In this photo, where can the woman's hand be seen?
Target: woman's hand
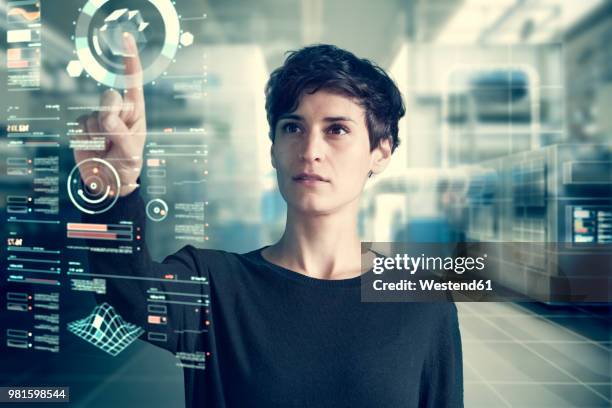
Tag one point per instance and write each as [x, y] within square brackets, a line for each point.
[122, 121]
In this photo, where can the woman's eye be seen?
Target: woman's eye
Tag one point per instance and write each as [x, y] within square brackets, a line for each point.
[338, 130]
[290, 128]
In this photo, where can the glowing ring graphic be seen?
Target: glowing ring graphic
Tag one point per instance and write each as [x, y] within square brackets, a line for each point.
[157, 210]
[103, 185]
[101, 74]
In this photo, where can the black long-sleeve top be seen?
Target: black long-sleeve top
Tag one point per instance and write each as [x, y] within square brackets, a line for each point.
[266, 336]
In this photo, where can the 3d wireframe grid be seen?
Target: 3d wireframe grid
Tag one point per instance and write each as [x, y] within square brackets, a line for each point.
[106, 329]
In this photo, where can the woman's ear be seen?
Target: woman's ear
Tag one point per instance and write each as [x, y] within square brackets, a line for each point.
[272, 156]
[381, 155]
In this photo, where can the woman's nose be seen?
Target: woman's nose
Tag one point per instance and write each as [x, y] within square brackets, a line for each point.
[312, 147]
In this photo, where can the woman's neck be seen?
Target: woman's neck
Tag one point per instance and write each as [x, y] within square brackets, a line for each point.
[320, 246]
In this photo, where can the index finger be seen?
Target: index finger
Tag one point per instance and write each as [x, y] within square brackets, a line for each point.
[133, 72]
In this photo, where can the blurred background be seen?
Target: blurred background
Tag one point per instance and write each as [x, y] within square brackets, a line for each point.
[507, 138]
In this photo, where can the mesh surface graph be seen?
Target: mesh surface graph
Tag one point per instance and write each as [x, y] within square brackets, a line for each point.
[105, 329]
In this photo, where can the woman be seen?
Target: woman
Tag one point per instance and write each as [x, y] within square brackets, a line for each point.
[285, 326]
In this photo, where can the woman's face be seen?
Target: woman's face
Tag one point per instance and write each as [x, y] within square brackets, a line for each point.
[321, 153]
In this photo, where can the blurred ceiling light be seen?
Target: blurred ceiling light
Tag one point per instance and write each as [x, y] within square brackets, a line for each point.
[574, 11]
[513, 21]
[473, 17]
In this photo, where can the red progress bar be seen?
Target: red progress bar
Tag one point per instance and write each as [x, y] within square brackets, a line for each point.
[72, 226]
[17, 64]
[97, 235]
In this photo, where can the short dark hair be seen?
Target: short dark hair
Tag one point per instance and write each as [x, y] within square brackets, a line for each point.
[328, 67]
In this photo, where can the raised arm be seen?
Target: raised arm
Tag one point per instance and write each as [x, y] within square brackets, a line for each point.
[162, 298]
[122, 120]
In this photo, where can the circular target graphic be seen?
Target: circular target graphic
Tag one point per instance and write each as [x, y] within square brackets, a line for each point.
[98, 32]
[157, 210]
[93, 186]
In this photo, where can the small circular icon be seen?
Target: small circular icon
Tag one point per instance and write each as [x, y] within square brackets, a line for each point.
[93, 186]
[157, 210]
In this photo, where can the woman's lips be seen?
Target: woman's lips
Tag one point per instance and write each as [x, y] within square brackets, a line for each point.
[310, 181]
[309, 176]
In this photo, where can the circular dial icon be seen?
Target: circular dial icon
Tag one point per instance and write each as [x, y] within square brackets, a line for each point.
[157, 210]
[98, 38]
[93, 186]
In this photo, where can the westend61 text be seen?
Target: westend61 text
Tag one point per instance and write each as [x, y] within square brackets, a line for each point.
[432, 285]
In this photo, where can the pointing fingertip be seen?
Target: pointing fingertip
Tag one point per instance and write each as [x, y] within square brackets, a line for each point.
[129, 43]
